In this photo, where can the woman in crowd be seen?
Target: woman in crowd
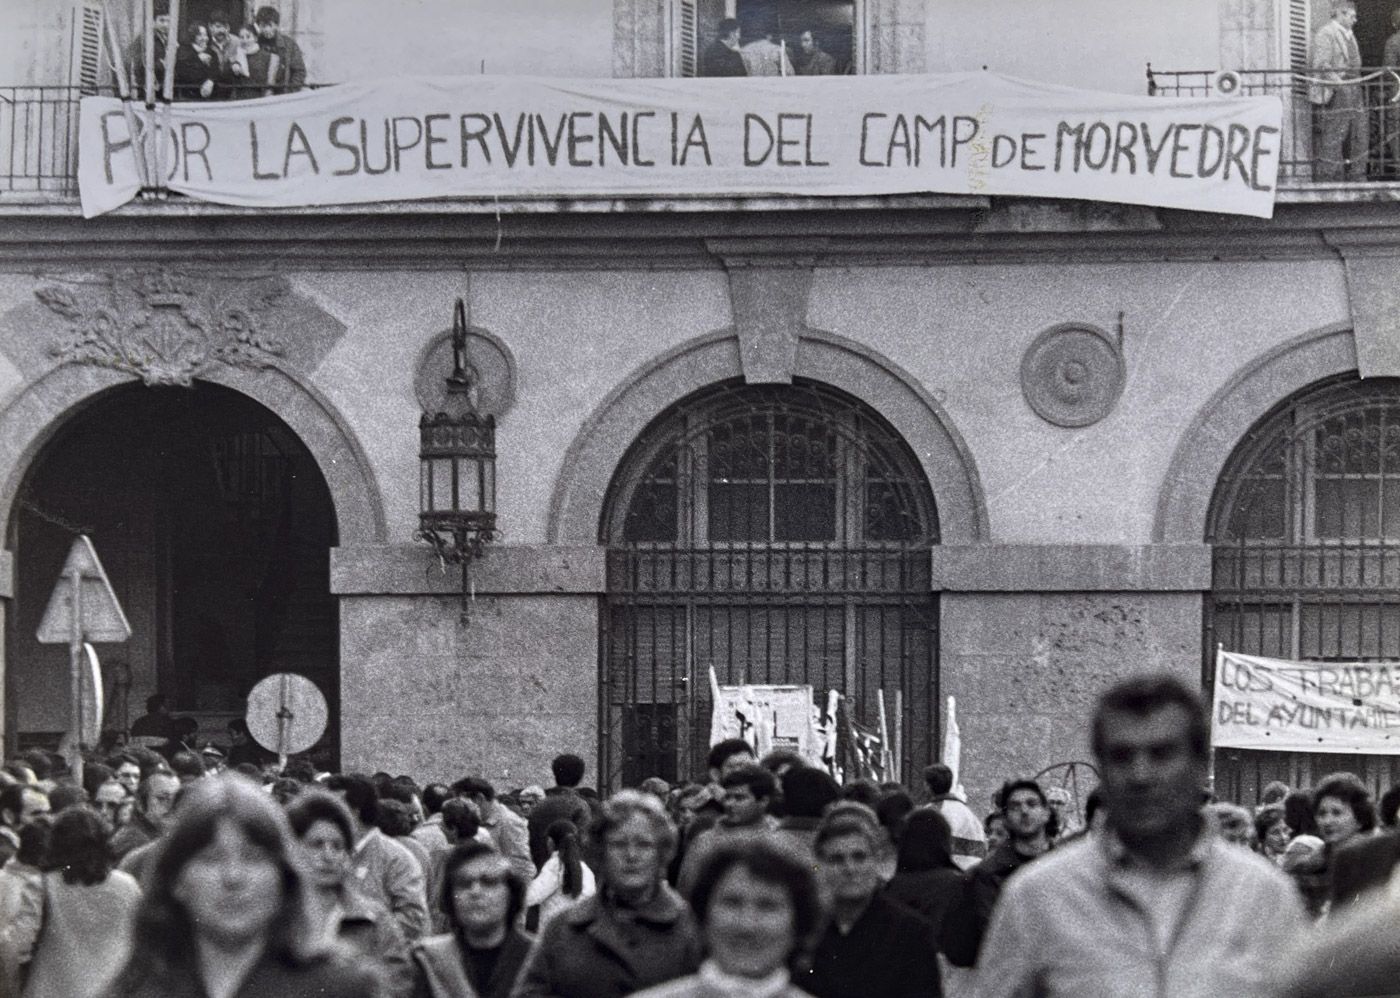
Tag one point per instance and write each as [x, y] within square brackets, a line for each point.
[482, 953]
[564, 878]
[337, 911]
[196, 68]
[995, 827]
[224, 909]
[74, 923]
[928, 881]
[758, 911]
[249, 72]
[1272, 833]
[1344, 812]
[634, 933]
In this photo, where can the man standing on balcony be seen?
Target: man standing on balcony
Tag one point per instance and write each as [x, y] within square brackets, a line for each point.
[1343, 129]
[290, 73]
[1391, 60]
[136, 51]
[721, 57]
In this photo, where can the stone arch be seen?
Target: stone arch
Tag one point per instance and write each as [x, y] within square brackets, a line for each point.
[35, 415]
[1184, 501]
[576, 507]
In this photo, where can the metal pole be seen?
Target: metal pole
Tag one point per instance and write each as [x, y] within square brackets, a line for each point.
[285, 716]
[75, 678]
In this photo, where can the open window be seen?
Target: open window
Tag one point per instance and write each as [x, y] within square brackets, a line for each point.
[817, 37]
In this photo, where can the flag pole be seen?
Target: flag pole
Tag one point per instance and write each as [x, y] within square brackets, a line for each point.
[167, 93]
[1210, 763]
[124, 90]
[885, 759]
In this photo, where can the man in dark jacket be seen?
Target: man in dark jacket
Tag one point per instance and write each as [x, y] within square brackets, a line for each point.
[721, 57]
[1030, 823]
[290, 73]
[561, 803]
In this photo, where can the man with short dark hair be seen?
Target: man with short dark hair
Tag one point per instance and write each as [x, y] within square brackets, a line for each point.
[1155, 902]
[722, 56]
[747, 793]
[154, 726]
[561, 803]
[766, 55]
[20, 804]
[1030, 826]
[811, 60]
[222, 42]
[289, 71]
[509, 832]
[969, 837]
[379, 866]
[727, 756]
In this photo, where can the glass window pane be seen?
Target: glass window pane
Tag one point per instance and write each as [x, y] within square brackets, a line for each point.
[469, 483]
[738, 512]
[652, 515]
[443, 498]
[804, 512]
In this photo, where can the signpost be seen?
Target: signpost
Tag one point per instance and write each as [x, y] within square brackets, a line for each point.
[83, 608]
[286, 714]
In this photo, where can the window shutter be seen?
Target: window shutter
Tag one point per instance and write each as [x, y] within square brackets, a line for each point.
[87, 46]
[688, 44]
[1299, 30]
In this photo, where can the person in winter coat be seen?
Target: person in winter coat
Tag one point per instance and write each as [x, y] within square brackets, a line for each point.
[636, 932]
[481, 954]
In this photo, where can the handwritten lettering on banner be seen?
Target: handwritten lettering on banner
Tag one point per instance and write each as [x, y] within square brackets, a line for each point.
[971, 133]
[1273, 704]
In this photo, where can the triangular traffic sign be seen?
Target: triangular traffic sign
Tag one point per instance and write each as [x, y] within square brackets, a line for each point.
[103, 619]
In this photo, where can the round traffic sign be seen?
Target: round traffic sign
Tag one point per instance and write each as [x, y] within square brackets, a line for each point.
[286, 713]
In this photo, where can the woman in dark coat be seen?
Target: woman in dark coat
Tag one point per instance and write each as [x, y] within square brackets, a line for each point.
[481, 955]
[928, 881]
[636, 932]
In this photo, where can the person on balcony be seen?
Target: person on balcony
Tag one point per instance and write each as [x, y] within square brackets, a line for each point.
[196, 66]
[811, 59]
[1391, 60]
[721, 57]
[136, 65]
[1343, 140]
[291, 66]
[766, 55]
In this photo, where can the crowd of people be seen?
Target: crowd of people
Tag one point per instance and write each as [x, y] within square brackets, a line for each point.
[214, 63]
[186, 873]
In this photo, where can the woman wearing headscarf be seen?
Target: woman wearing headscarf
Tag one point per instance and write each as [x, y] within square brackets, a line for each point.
[224, 914]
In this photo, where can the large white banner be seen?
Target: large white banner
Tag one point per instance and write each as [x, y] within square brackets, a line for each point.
[767, 717]
[966, 133]
[1273, 704]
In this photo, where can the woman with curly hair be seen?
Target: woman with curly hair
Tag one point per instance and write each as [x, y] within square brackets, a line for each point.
[224, 913]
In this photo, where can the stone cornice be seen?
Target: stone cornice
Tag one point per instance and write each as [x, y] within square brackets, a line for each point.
[900, 231]
[411, 570]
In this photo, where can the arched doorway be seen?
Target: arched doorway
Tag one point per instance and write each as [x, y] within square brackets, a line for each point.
[1305, 528]
[214, 524]
[779, 534]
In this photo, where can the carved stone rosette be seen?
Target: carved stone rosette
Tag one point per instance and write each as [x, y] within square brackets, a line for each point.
[1072, 375]
[167, 327]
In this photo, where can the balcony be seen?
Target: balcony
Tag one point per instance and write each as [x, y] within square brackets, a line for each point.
[39, 133]
[1311, 160]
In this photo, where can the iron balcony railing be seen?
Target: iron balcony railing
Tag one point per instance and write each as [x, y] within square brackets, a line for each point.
[1347, 132]
[39, 135]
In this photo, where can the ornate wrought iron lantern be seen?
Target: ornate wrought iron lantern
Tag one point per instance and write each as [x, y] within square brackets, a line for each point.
[457, 458]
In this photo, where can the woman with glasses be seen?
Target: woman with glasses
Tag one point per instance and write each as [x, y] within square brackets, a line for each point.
[482, 953]
[338, 911]
[636, 932]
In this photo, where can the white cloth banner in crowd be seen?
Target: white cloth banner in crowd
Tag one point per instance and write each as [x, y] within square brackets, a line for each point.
[483, 136]
[766, 716]
[1274, 704]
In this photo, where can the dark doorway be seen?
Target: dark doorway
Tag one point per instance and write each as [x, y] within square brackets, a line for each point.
[214, 525]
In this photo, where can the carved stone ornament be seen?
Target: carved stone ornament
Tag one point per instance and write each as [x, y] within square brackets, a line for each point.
[1072, 375]
[167, 327]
